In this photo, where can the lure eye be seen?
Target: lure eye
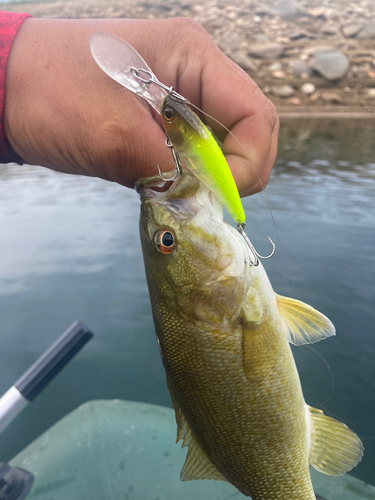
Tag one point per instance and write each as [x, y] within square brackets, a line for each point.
[165, 241]
[168, 114]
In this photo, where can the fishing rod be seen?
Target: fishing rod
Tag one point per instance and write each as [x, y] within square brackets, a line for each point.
[15, 482]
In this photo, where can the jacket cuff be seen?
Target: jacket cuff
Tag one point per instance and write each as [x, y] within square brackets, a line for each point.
[10, 23]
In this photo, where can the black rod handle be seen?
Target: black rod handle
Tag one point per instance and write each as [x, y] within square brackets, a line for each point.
[53, 360]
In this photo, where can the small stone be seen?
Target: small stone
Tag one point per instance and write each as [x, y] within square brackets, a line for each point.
[279, 74]
[217, 22]
[330, 30]
[266, 50]
[308, 88]
[331, 97]
[245, 62]
[288, 8]
[297, 35]
[368, 31]
[299, 67]
[231, 41]
[351, 30]
[260, 38]
[257, 19]
[266, 89]
[262, 12]
[296, 101]
[324, 49]
[371, 93]
[331, 65]
[283, 91]
[274, 67]
[318, 12]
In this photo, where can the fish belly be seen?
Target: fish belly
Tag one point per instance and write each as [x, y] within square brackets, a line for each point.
[243, 402]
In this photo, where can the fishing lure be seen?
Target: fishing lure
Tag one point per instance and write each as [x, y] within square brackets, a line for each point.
[187, 136]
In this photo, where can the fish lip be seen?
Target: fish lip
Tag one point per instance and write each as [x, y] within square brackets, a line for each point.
[144, 185]
[165, 189]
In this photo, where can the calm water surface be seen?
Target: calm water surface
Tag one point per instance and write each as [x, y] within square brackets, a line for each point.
[70, 249]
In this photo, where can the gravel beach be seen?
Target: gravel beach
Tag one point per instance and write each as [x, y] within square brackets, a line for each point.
[310, 56]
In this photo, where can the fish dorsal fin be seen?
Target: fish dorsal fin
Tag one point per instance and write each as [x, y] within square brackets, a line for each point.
[197, 465]
[335, 449]
[304, 324]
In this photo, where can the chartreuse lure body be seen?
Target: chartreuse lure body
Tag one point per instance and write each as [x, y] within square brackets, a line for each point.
[201, 154]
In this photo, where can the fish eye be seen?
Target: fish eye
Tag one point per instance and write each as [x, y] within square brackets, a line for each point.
[165, 241]
[168, 114]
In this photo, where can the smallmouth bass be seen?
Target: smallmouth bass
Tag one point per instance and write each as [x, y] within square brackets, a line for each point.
[224, 340]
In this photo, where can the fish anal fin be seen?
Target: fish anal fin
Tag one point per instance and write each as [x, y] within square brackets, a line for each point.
[197, 464]
[303, 323]
[335, 449]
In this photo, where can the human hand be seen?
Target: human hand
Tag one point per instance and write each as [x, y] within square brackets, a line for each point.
[63, 112]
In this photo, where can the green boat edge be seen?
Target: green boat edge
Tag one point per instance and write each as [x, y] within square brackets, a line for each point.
[124, 450]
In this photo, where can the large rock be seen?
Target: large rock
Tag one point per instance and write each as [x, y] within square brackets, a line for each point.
[266, 50]
[331, 65]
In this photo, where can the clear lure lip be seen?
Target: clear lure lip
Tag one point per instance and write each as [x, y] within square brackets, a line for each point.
[118, 59]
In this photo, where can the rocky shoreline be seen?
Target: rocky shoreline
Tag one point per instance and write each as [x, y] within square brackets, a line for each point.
[311, 56]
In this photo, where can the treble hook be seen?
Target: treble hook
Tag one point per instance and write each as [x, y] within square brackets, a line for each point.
[176, 156]
[255, 262]
[165, 176]
[177, 163]
[151, 79]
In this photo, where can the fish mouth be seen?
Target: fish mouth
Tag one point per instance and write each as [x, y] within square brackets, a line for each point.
[155, 184]
[168, 187]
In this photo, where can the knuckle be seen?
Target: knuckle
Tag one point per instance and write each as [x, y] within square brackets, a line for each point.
[272, 115]
[186, 26]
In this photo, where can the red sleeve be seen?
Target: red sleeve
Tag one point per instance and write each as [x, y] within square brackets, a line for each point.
[10, 22]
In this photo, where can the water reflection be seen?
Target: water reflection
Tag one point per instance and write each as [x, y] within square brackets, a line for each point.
[70, 249]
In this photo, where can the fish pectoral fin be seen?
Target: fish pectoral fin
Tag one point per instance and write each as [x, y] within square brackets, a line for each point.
[197, 464]
[335, 449]
[303, 323]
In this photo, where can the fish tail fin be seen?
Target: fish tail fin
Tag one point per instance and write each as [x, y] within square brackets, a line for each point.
[335, 449]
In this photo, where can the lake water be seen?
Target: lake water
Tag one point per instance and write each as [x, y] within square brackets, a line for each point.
[70, 249]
